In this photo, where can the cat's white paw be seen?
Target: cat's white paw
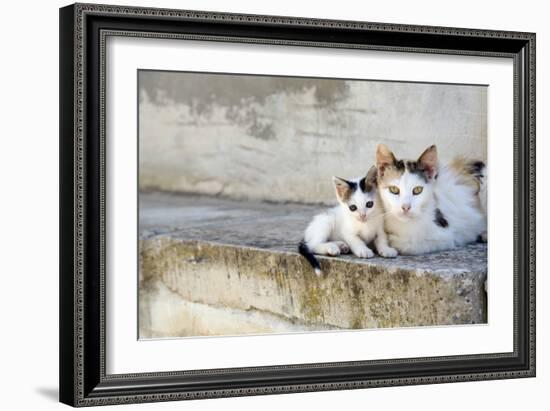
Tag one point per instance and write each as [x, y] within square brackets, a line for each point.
[332, 249]
[363, 252]
[344, 248]
[387, 252]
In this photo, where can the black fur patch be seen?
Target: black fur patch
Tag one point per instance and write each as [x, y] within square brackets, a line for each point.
[352, 185]
[414, 167]
[440, 219]
[365, 185]
[308, 255]
[475, 168]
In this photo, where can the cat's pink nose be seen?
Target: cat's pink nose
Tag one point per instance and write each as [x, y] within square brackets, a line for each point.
[405, 207]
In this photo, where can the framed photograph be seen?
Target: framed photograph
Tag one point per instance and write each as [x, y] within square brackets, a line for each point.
[262, 204]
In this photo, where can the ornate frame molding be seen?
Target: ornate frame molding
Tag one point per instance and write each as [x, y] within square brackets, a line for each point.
[82, 337]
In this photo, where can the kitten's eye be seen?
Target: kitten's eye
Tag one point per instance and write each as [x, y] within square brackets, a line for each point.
[369, 204]
[417, 190]
[394, 189]
[353, 207]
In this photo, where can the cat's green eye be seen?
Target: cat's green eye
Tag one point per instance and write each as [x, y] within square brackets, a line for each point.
[394, 189]
[417, 190]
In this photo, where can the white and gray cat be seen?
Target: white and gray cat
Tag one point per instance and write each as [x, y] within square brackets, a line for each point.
[431, 207]
[357, 220]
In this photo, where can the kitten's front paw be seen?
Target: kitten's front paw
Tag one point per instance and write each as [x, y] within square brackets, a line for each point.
[387, 252]
[363, 252]
[332, 249]
[344, 248]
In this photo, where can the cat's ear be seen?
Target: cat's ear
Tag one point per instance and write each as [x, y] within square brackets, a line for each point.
[384, 158]
[342, 187]
[428, 162]
[371, 178]
[368, 182]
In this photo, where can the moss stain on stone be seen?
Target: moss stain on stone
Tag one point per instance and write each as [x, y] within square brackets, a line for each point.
[310, 302]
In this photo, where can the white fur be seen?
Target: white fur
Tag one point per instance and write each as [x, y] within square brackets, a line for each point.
[340, 230]
[416, 232]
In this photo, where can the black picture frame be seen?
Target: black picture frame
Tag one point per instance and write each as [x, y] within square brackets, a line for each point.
[83, 29]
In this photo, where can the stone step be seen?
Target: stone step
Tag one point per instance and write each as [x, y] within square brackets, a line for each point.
[234, 266]
[164, 313]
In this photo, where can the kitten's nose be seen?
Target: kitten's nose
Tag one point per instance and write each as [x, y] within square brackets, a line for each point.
[406, 207]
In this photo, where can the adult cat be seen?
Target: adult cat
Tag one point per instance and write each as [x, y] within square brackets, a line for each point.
[431, 207]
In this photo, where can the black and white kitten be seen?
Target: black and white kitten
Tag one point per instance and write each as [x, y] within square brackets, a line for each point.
[351, 225]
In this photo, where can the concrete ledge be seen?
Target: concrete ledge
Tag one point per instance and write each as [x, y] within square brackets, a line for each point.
[222, 259]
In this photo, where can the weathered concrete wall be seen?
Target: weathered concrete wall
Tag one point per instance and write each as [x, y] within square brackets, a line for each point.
[281, 139]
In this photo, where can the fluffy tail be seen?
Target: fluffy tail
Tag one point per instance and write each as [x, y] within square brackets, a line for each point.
[483, 188]
[474, 173]
[483, 197]
[310, 257]
[478, 171]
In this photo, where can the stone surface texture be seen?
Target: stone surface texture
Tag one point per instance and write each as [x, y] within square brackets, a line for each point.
[213, 266]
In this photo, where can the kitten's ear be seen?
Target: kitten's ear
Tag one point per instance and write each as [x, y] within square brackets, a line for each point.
[428, 162]
[343, 188]
[371, 178]
[384, 158]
